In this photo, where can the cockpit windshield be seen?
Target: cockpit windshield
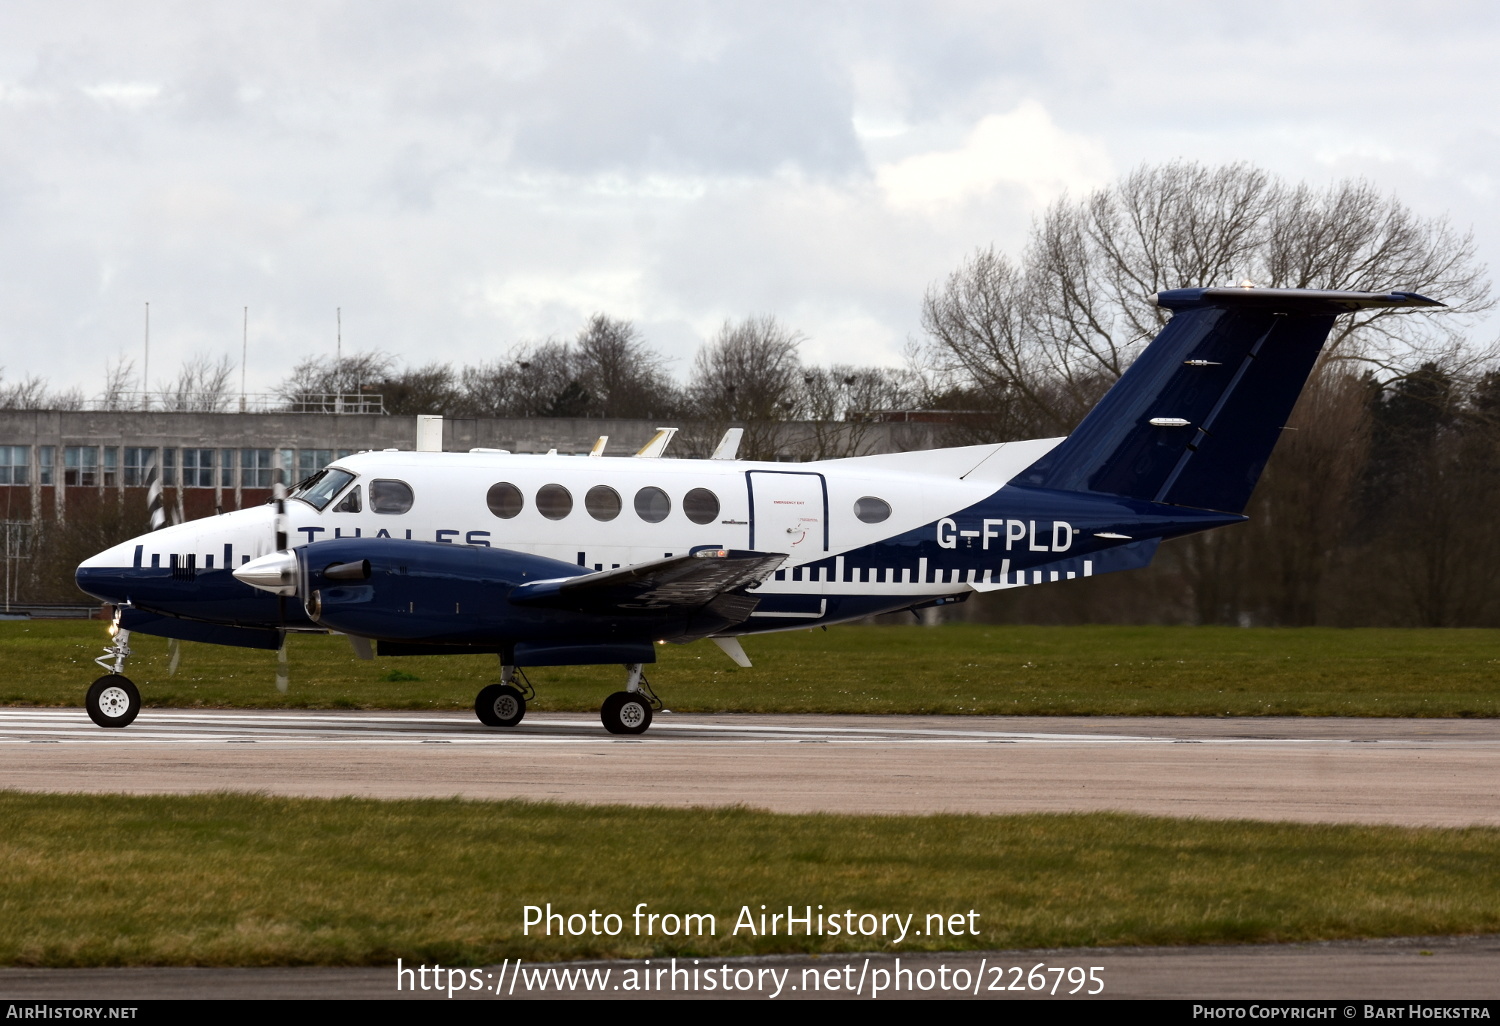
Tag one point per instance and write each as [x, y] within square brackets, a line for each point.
[318, 490]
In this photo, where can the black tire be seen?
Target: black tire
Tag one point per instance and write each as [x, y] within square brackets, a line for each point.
[112, 701]
[625, 712]
[500, 705]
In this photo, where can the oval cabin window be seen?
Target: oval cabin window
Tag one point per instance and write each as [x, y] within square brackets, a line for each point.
[871, 510]
[390, 496]
[701, 506]
[602, 502]
[553, 501]
[652, 504]
[505, 500]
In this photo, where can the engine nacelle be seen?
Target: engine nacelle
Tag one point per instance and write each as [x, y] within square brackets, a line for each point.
[441, 595]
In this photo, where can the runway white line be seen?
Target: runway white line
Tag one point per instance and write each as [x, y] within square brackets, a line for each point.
[218, 727]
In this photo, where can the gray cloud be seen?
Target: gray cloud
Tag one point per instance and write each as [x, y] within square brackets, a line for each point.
[464, 176]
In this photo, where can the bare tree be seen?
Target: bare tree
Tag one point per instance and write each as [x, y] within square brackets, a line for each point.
[119, 383]
[430, 389]
[202, 385]
[749, 375]
[1045, 337]
[622, 374]
[841, 404]
[317, 377]
[27, 394]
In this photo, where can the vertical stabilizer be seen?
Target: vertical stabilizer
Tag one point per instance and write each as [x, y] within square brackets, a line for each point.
[1193, 421]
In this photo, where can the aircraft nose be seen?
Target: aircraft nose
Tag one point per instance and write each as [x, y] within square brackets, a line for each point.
[106, 575]
[275, 572]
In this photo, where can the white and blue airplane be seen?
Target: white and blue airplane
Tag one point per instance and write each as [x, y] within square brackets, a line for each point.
[559, 560]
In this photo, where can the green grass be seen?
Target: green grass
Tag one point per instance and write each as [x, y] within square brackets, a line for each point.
[247, 880]
[961, 668]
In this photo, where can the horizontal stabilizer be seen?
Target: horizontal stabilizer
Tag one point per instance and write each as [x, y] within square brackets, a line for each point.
[1193, 421]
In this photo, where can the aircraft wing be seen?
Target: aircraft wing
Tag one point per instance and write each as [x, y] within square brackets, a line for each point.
[678, 582]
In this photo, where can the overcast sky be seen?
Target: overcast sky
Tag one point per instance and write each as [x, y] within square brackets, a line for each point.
[461, 177]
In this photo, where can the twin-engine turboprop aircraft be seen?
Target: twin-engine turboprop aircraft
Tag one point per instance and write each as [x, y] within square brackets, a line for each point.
[548, 560]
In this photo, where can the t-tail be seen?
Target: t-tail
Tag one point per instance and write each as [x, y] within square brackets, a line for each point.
[1193, 421]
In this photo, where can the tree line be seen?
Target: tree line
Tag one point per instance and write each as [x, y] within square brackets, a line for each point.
[1375, 508]
[750, 373]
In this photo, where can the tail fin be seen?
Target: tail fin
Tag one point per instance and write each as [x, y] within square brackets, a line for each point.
[1193, 421]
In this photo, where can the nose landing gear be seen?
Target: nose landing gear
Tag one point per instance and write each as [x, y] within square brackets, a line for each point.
[113, 700]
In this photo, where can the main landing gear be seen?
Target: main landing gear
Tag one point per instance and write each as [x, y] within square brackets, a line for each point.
[629, 711]
[624, 712]
[113, 700]
[504, 704]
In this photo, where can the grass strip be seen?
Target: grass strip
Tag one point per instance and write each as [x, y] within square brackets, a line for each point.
[224, 879]
[957, 668]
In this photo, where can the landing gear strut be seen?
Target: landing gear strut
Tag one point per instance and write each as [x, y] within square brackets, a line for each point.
[629, 711]
[112, 700]
[504, 704]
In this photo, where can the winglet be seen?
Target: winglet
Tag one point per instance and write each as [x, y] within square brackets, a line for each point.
[598, 449]
[658, 444]
[729, 444]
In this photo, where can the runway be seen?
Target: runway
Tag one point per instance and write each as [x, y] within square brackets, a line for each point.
[1407, 772]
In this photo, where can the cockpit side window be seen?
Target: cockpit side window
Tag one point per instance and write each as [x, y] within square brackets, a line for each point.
[349, 503]
[387, 496]
[319, 489]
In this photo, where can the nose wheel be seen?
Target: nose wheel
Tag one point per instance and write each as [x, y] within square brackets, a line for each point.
[112, 701]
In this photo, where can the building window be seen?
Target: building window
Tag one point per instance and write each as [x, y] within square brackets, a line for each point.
[15, 464]
[197, 468]
[137, 466]
[45, 454]
[226, 468]
[111, 466]
[81, 466]
[310, 461]
[169, 466]
[255, 468]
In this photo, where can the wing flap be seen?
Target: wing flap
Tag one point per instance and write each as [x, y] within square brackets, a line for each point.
[678, 582]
